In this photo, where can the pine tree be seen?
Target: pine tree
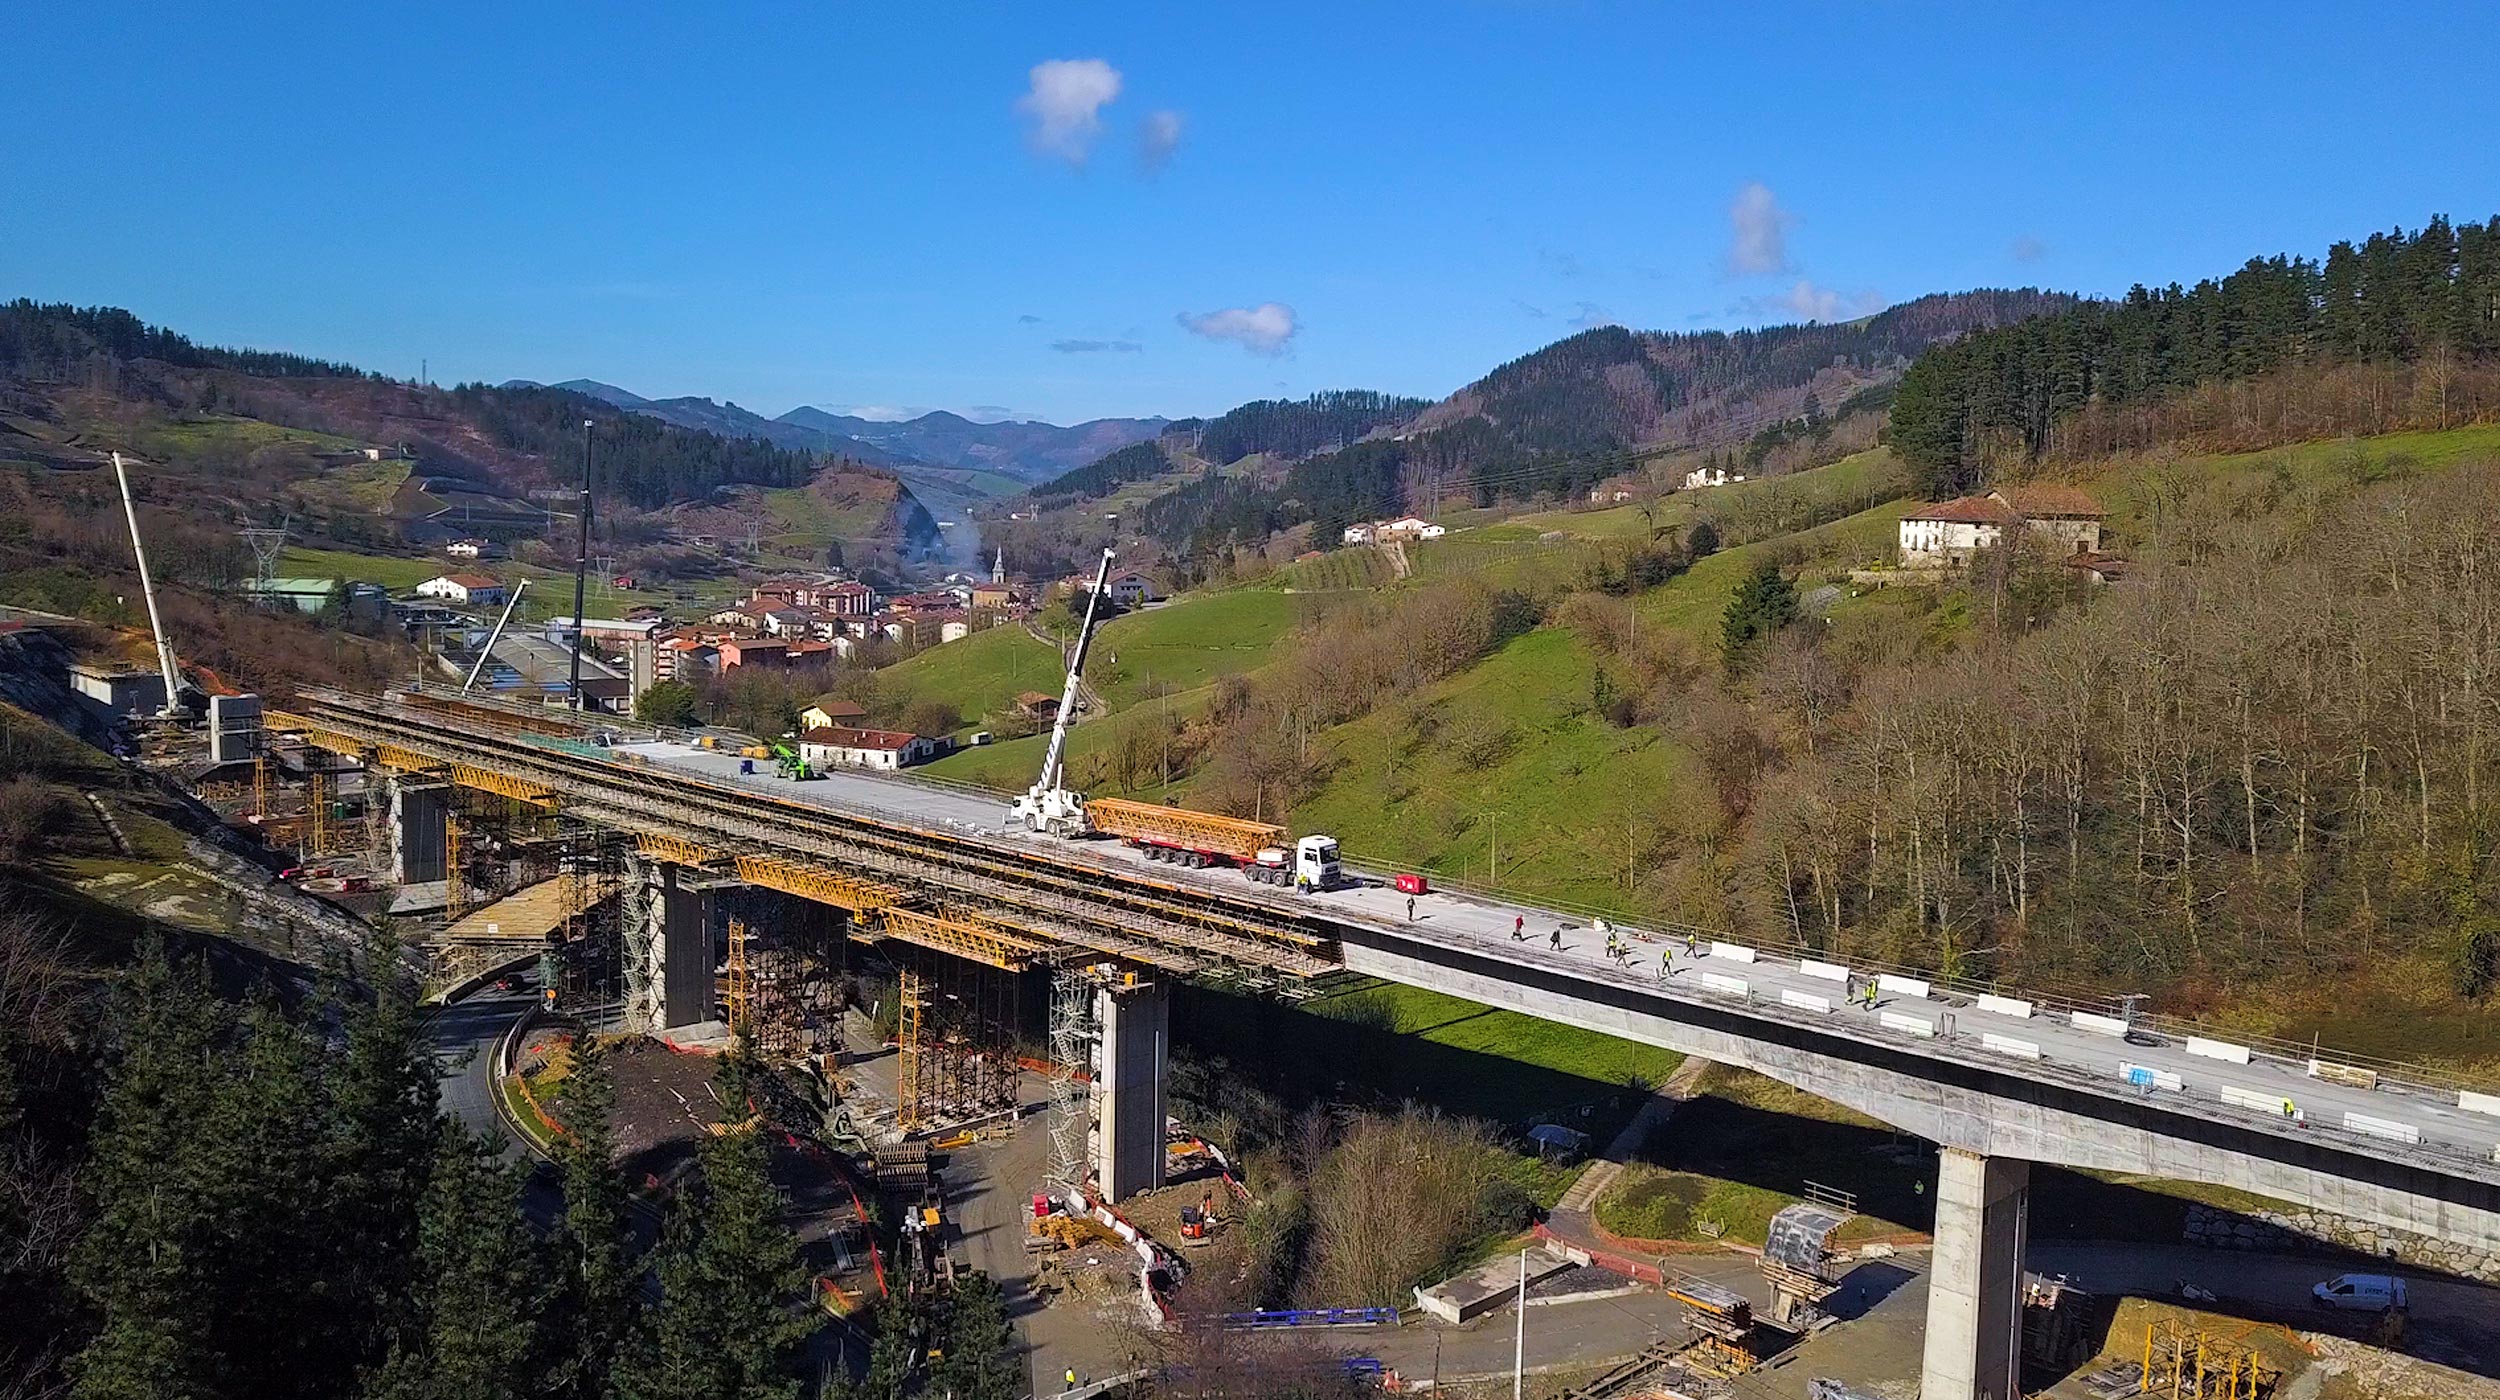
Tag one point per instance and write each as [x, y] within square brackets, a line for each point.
[1764, 603]
[384, 1125]
[598, 1298]
[479, 1303]
[142, 1266]
[277, 1327]
[727, 1326]
[980, 1361]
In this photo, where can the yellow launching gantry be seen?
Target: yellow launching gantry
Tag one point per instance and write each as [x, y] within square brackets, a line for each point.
[878, 910]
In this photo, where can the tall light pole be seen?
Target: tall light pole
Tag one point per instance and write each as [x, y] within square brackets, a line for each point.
[581, 575]
[1519, 1335]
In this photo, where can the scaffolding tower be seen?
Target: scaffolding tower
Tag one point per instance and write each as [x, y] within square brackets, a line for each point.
[323, 796]
[910, 1108]
[455, 898]
[738, 988]
[635, 912]
[1073, 1031]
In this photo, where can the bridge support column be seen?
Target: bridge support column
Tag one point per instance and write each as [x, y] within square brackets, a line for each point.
[693, 907]
[1129, 1080]
[418, 811]
[1975, 1290]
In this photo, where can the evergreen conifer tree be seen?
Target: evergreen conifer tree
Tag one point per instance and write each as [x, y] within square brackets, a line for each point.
[597, 1277]
[728, 1323]
[479, 1303]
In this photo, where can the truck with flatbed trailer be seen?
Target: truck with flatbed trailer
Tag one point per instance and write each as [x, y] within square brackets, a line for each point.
[1261, 850]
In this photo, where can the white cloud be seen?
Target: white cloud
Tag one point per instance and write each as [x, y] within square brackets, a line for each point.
[2029, 249]
[1096, 347]
[1158, 138]
[1808, 302]
[1063, 107]
[1759, 245]
[1591, 315]
[1265, 329]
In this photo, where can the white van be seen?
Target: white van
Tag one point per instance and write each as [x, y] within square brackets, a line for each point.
[2361, 1293]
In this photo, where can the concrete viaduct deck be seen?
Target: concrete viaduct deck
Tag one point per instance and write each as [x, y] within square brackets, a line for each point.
[1997, 1081]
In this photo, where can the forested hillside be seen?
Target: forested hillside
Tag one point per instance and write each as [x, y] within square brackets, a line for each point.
[2400, 330]
[1552, 423]
[647, 461]
[56, 340]
[80, 370]
[1136, 462]
[1292, 428]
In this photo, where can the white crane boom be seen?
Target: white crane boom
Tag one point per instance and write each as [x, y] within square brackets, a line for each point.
[497, 635]
[1047, 806]
[147, 586]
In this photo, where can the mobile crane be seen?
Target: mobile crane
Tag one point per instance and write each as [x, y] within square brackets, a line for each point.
[1046, 806]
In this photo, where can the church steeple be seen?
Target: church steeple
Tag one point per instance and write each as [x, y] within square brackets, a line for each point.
[998, 566]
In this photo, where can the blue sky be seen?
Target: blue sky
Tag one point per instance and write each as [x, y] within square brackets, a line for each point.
[916, 206]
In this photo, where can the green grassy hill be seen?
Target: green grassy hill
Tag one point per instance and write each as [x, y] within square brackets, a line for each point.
[980, 676]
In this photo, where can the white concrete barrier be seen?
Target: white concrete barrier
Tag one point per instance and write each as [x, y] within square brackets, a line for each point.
[2099, 1025]
[2005, 1006]
[2382, 1128]
[2264, 1103]
[1915, 1025]
[1903, 986]
[2141, 1075]
[2008, 1045]
[1829, 972]
[1805, 1001]
[2351, 1075]
[1731, 986]
[2472, 1102]
[1733, 952]
[2217, 1050]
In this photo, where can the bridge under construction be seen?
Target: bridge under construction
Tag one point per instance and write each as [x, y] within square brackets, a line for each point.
[1998, 1081]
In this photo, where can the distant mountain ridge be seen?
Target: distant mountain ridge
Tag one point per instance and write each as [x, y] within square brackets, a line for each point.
[1028, 451]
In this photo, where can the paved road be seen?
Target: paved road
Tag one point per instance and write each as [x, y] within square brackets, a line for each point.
[464, 1035]
[2461, 1141]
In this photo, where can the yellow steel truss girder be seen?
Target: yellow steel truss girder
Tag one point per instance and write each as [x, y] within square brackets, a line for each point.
[817, 883]
[406, 760]
[965, 938]
[677, 850]
[282, 721]
[469, 775]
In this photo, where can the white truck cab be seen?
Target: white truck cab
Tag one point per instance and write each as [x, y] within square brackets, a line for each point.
[1315, 863]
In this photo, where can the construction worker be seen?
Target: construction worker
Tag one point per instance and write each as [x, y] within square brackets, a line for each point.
[1555, 941]
[1071, 1378]
[1410, 908]
[1519, 928]
[1666, 965]
[1870, 993]
[1692, 946]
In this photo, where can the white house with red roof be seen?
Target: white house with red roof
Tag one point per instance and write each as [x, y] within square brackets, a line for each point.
[839, 746]
[468, 590]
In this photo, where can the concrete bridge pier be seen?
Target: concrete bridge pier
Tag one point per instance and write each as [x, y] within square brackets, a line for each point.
[675, 919]
[1975, 1289]
[1130, 1072]
[419, 810]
